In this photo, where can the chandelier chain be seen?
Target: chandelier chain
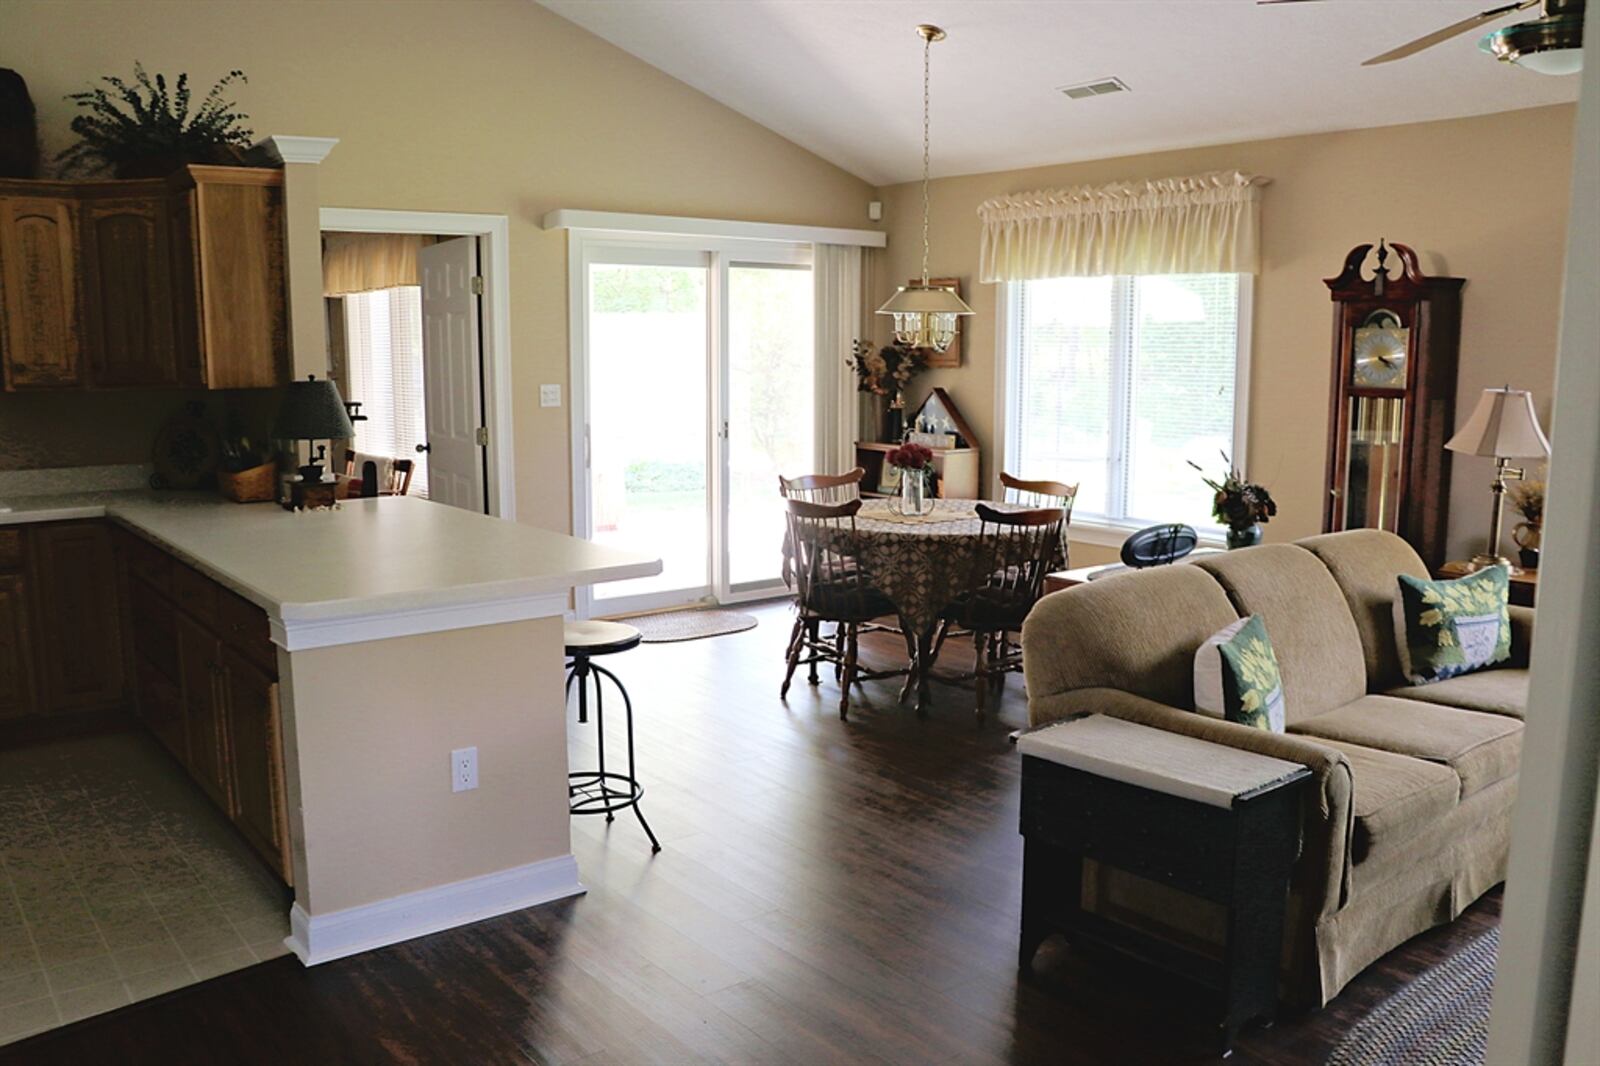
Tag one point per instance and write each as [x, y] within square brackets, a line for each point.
[927, 49]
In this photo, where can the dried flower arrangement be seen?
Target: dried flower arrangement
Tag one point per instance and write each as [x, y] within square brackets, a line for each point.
[887, 370]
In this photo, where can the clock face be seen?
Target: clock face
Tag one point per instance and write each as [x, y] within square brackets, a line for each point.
[1380, 357]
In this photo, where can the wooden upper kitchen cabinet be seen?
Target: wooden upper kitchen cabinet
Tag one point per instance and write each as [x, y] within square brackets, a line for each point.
[233, 331]
[40, 322]
[118, 284]
[78, 639]
[125, 234]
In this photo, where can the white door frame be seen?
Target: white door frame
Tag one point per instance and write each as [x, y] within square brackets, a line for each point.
[588, 246]
[494, 261]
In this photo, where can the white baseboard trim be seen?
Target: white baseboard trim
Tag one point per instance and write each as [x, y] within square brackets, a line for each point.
[324, 937]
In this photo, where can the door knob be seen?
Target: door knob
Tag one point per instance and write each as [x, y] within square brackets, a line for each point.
[424, 447]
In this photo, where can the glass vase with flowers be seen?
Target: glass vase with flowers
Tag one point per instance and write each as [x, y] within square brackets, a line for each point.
[915, 462]
[1240, 505]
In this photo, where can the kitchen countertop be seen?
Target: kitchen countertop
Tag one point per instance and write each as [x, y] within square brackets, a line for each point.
[374, 568]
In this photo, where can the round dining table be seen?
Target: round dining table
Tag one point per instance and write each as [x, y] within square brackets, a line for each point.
[922, 564]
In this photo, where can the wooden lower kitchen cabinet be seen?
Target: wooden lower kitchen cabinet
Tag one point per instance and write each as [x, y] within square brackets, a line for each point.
[16, 648]
[79, 645]
[200, 672]
[206, 684]
[255, 757]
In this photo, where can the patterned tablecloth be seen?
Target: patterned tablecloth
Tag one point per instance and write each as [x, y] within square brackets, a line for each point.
[923, 564]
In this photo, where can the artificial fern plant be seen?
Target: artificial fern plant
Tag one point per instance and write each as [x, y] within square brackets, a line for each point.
[142, 130]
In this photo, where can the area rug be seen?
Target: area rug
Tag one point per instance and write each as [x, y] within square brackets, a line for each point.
[1439, 1019]
[670, 626]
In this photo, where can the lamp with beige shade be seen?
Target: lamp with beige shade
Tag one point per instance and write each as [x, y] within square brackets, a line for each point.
[1503, 426]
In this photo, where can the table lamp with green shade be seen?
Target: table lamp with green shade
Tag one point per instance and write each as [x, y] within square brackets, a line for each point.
[1503, 427]
[312, 410]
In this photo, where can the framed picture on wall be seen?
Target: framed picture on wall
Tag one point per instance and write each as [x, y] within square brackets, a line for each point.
[951, 356]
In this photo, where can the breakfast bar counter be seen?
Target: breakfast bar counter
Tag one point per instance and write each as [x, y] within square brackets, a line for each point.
[407, 634]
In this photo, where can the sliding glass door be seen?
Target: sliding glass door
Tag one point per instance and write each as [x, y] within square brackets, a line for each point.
[649, 440]
[770, 414]
[697, 394]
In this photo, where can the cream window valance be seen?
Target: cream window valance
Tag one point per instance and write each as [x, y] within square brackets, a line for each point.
[1203, 224]
[366, 262]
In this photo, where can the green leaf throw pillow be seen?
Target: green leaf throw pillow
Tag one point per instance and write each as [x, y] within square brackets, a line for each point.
[1236, 675]
[1446, 628]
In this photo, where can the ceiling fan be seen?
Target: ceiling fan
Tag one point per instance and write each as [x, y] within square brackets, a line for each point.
[1549, 44]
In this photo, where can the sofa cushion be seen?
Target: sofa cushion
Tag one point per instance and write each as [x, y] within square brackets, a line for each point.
[1394, 798]
[1481, 748]
[1503, 690]
[1314, 637]
[1365, 562]
[1447, 628]
[1236, 676]
[1136, 632]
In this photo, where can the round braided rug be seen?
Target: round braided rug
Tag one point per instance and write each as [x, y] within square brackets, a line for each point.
[669, 626]
[1439, 1019]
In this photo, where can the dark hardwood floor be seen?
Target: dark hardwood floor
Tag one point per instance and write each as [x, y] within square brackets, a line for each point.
[827, 892]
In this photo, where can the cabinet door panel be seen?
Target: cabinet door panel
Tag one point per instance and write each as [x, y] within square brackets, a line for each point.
[16, 651]
[256, 749]
[161, 708]
[79, 647]
[199, 662]
[39, 279]
[128, 297]
[242, 303]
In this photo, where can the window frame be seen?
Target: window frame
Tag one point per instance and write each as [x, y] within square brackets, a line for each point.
[1008, 335]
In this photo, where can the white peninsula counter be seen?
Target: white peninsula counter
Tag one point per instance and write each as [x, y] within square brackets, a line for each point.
[405, 630]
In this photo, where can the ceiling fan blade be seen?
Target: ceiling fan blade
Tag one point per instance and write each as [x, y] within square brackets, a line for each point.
[1466, 25]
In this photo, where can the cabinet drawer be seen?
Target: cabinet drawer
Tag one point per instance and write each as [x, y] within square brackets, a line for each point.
[243, 625]
[10, 549]
[149, 562]
[195, 593]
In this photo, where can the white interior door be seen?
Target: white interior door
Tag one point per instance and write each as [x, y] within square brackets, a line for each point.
[452, 374]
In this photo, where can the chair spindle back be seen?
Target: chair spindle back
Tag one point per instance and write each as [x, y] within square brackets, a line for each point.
[1037, 494]
[823, 488]
[829, 578]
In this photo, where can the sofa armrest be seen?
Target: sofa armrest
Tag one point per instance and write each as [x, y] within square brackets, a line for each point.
[1521, 636]
[1322, 876]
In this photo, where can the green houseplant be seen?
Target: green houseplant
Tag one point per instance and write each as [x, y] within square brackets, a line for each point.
[141, 130]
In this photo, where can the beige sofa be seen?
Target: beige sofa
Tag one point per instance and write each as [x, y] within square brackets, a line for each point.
[1409, 819]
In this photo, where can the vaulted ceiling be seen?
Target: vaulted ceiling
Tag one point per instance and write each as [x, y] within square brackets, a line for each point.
[843, 78]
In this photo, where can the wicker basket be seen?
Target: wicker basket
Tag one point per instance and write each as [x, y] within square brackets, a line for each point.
[249, 486]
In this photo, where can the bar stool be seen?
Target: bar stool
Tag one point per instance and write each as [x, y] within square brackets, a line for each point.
[602, 791]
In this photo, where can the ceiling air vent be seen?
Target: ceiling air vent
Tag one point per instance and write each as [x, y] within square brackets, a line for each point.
[1098, 87]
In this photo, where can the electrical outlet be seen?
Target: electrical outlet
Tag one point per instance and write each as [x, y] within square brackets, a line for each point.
[549, 395]
[463, 769]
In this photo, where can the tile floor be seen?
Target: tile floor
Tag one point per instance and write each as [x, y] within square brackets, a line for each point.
[118, 881]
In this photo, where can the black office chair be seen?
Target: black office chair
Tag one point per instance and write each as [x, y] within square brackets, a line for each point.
[1159, 545]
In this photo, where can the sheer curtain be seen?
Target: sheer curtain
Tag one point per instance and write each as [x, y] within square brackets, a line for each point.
[836, 271]
[1201, 224]
[383, 332]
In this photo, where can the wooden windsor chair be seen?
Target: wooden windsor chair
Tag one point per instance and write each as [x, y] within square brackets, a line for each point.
[1015, 550]
[393, 481]
[831, 586]
[1040, 494]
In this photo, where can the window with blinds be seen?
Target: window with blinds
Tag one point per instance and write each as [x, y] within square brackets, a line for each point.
[1116, 383]
[383, 337]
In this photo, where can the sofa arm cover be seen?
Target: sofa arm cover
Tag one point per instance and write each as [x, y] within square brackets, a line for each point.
[1322, 875]
[1521, 636]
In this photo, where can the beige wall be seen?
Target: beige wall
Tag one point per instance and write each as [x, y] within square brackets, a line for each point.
[372, 813]
[1480, 198]
[493, 106]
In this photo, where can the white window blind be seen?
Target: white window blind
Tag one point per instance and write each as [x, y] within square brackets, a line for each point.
[1115, 383]
[384, 353]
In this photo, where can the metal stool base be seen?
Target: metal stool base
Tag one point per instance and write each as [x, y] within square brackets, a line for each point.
[603, 791]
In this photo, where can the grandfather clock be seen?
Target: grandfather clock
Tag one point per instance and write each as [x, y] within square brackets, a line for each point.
[1396, 340]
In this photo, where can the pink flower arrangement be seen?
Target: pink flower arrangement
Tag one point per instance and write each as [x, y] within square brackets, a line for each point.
[911, 457]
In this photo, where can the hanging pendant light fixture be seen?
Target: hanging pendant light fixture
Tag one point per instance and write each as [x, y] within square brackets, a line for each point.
[925, 314]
